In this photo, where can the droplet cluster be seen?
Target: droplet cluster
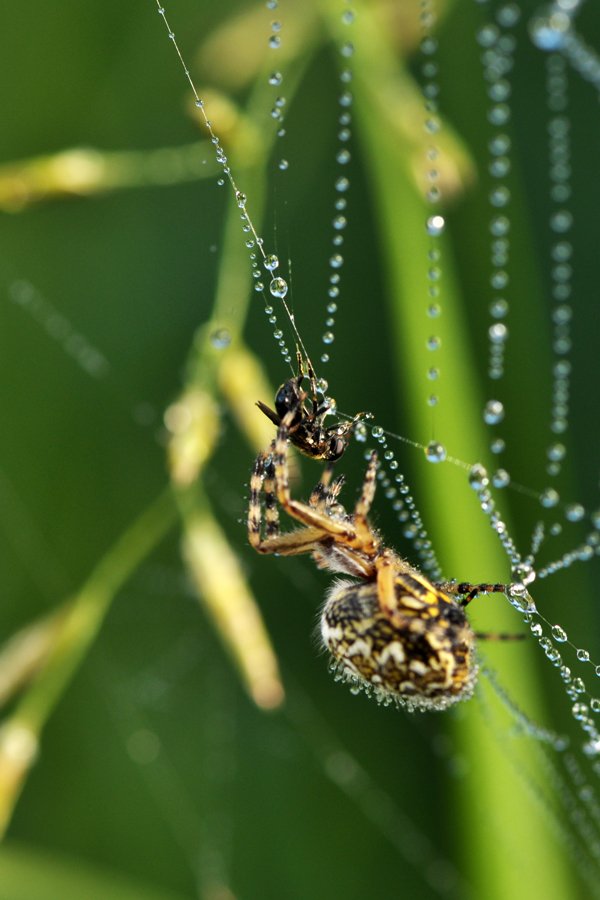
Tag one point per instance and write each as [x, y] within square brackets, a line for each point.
[554, 31]
[254, 243]
[561, 249]
[479, 480]
[397, 492]
[497, 43]
[343, 157]
[276, 80]
[435, 223]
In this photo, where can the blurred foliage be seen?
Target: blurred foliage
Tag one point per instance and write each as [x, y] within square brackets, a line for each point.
[140, 764]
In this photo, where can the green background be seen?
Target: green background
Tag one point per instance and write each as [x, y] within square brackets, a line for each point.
[157, 776]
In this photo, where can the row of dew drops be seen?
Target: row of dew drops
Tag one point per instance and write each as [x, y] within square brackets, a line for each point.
[498, 48]
[497, 51]
[392, 481]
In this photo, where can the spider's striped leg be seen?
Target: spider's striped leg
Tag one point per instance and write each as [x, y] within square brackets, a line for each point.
[325, 493]
[466, 591]
[498, 636]
[255, 517]
[303, 512]
[270, 500]
[262, 489]
[364, 533]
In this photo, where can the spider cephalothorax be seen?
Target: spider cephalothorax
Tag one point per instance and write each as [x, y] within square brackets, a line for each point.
[389, 631]
[304, 412]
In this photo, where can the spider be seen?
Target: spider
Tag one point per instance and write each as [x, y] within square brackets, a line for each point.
[390, 631]
[304, 425]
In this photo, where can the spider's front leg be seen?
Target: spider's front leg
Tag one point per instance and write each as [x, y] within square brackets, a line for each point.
[465, 591]
[385, 569]
[262, 492]
[313, 516]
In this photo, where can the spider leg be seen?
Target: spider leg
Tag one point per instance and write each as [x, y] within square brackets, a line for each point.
[293, 543]
[270, 500]
[467, 591]
[303, 512]
[498, 636]
[386, 575]
[325, 493]
[262, 483]
[255, 515]
[363, 531]
[320, 493]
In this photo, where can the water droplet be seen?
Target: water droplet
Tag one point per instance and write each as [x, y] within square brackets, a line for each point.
[336, 261]
[574, 512]
[435, 452]
[278, 287]
[434, 342]
[554, 656]
[556, 452]
[501, 478]
[559, 634]
[498, 445]
[283, 164]
[342, 184]
[360, 432]
[549, 32]
[271, 262]
[580, 710]
[500, 196]
[561, 221]
[478, 477]
[498, 333]
[583, 656]
[435, 225]
[343, 157]
[328, 337]
[493, 412]
[519, 597]
[549, 498]
[377, 432]
[274, 42]
[595, 704]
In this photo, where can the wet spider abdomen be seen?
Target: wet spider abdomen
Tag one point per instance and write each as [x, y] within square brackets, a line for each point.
[420, 656]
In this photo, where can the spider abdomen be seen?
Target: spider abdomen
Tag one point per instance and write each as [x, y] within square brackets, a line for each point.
[421, 655]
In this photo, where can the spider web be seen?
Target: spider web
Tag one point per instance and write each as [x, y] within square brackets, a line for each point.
[560, 776]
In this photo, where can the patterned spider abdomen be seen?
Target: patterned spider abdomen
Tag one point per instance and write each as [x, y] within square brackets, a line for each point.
[420, 656]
